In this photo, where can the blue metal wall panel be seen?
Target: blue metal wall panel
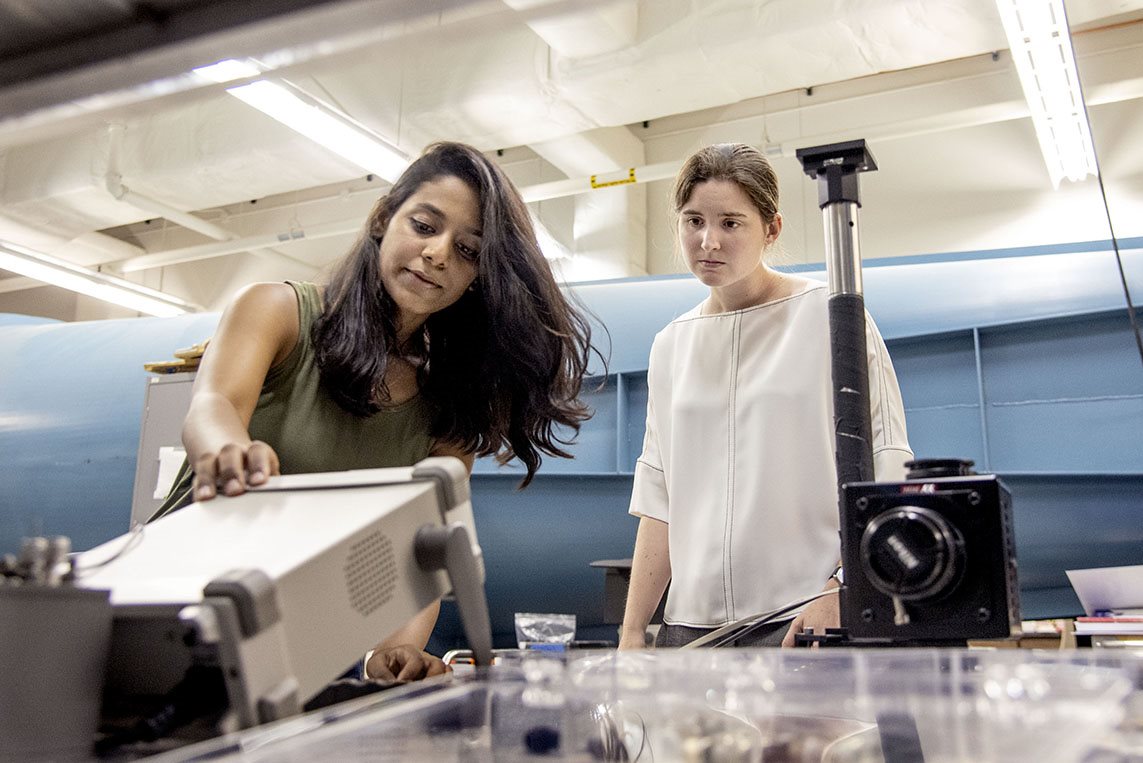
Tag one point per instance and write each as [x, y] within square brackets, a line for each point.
[538, 544]
[636, 425]
[1093, 436]
[945, 433]
[1091, 356]
[942, 403]
[940, 295]
[911, 296]
[633, 311]
[1065, 522]
[1064, 395]
[594, 448]
[937, 371]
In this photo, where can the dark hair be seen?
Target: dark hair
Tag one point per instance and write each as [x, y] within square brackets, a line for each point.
[503, 364]
[737, 162]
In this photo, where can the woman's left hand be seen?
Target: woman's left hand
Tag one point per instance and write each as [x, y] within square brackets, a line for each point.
[819, 614]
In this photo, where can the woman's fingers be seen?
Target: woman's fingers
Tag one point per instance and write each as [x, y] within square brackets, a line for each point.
[404, 663]
[234, 468]
[261, 463]
[205, 477]
[231, 475]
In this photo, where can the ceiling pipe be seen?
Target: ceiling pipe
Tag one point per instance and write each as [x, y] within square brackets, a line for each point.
[532, 193]
[115, 186]
[113, 182]
[234, 246]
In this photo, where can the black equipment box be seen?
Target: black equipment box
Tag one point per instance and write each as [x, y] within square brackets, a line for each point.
[931, 560]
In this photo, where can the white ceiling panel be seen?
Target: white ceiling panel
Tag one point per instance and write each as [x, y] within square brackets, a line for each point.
[543, 85]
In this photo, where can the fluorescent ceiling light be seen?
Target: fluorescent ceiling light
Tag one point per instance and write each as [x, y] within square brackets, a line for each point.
[117, 291]
[310, 116]
[1041, 48]
[324, 125]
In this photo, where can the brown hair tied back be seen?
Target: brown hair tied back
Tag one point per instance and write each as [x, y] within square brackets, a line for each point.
[737, 162]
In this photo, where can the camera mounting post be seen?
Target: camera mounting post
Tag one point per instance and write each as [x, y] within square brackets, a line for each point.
[836, 166]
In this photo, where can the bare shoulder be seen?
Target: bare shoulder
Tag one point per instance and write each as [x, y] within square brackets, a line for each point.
[268, 311]
[264, 304]
[265, 297]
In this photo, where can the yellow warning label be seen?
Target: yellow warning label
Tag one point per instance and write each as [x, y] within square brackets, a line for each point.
[608, 183]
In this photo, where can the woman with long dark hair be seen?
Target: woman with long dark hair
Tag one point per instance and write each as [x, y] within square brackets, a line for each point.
[442, 332]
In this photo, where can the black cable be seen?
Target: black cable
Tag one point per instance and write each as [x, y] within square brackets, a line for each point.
[771, 618]
[134, 537]
[1103, 195]
[1118, 257]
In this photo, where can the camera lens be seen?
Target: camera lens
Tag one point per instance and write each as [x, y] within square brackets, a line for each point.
[912, 553]
[930, 468]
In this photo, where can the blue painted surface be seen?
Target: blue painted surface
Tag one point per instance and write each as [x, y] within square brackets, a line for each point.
[939, 386]
[1053, 401]
[14, 319]
[538, 544]
[71, 401]
[1072, 521]
[1064, 395]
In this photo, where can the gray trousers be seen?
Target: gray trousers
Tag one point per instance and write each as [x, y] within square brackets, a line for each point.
[678, 635]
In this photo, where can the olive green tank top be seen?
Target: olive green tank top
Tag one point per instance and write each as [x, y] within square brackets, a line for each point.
[309, 431]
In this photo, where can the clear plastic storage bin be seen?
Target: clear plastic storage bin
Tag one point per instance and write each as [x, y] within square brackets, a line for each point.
[849, 705]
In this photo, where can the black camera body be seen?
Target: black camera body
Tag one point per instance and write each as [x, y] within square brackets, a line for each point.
[931, 560]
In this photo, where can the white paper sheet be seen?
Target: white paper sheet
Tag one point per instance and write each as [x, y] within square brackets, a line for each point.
[170, 459]
[1108, 588]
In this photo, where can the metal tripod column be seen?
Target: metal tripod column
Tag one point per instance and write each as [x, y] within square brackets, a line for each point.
[836, 167]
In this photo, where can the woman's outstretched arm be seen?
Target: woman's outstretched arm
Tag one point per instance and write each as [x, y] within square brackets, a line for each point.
[257, 330]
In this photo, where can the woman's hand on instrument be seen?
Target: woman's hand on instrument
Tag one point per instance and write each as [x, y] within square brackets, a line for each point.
[404, 663]
[233, 468]
[819, 614]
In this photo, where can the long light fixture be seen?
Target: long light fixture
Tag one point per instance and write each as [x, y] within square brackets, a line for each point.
[1041, 48]
[310, 116]
[117, 291]
[329, 127]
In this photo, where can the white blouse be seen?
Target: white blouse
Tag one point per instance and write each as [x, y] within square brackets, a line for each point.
[738, 456]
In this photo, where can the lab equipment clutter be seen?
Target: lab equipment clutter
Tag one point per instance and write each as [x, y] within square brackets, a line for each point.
[235, 612]
[53, 652]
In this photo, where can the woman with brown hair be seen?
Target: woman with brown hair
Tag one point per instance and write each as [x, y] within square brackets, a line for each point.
[442, 332]
[736, 488]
